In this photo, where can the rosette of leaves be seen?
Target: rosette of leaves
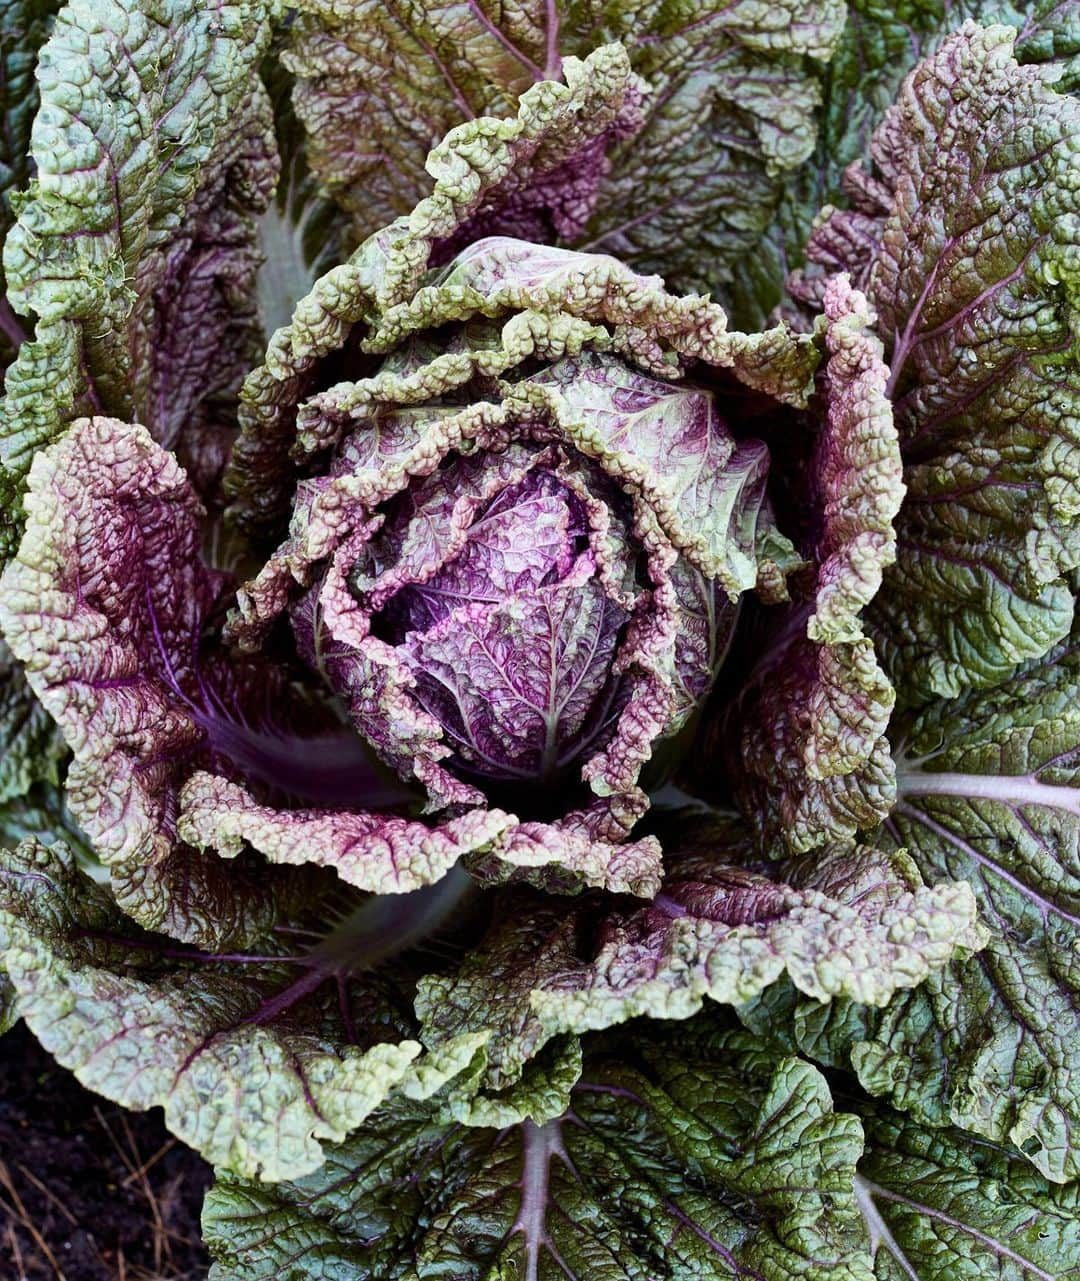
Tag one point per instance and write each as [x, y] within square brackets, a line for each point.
[518, 515]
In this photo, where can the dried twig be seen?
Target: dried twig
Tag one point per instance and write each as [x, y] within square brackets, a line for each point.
[27, 1223]
[50, 1196]
[136, 1167]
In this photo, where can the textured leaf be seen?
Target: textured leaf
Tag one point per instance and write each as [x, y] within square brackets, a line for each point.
[882, 40]
[135, 246]
[736, 90]
[384, 854]
[856, 923]
[31, 747]
[807, 736]
[940, 1207]
[994, 801]
[254, 1083]
[671, 441]
[375, 97]
[881, 44]
[24, 26]
[102, 605]
[715, 1161]
[987, 791]
[551, 302]
[965, 239]
[682, 182]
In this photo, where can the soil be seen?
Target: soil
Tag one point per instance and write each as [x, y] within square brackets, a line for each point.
[89, 1191]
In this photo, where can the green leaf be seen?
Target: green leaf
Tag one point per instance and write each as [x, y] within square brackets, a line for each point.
[709, 1159]
[253, 1070]
[882, 40]
[851, 922]
[988, 790]
[965, 239]
[984, 365]
[134, 245]
[24, 26]
[683, 184]
[31, 746]
[941, 1206]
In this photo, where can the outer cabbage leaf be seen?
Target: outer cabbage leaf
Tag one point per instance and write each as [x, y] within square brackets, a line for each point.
[31, 747]
[806, 736]
[24, 26]
[102, 605]
[254, 1082]
[965, 239]
[857, 923]
[562, 133]
[715, 1161]
[880, 44]
[987, 790]
[941, 1207]
[684, 182]
[135, 243]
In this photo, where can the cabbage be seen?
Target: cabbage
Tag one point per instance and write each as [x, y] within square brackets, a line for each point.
[540, 568]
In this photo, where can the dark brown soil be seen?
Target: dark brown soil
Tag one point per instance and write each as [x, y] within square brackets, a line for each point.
[89, 1192]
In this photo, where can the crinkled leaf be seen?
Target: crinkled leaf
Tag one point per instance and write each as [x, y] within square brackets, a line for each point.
[375, 95]
[812, 759]
[31, 747]
[965, 239]
[24, 27]
[708, 1160]
[135, 243]
[987, 790]
[684, 186]
[855, 923]
[514, 716]
[882, 40]
[42, 815]
[940, 1207]
[103, 605]
[254, 1083]
[670, 441]
[735, 96]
